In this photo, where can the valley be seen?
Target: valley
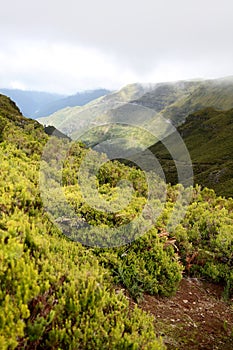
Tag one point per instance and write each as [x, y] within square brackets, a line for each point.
[98, 253]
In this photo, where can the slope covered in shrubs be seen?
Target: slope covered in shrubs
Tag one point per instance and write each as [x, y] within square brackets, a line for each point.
[54, 293]
[59, 294]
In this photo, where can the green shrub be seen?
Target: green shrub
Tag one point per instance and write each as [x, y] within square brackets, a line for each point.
[53, 293]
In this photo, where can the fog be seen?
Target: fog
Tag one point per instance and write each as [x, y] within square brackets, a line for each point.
[74, 45]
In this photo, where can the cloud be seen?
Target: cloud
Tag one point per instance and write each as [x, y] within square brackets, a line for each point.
[64, 68]
[104, 43]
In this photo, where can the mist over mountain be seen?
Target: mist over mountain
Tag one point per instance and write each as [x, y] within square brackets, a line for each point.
[52, 282]
[144, 105]
[202, 111]
[72, 120]
[116, 177]
[175, 101]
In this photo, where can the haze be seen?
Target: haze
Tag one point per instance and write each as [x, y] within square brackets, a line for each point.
[71, 45]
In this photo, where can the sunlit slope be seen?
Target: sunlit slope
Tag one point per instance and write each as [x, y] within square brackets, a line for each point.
[54, 293]
[141, 106]
[74, 121]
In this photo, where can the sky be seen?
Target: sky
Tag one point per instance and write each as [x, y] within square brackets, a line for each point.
[70, 46]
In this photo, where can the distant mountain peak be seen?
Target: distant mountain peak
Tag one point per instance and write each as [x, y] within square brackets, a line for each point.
[34, 104]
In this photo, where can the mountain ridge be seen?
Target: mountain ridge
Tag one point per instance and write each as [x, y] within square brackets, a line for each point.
[58, 293]
[171, 101]
[34, 104]
[70, 120]
[30, 101]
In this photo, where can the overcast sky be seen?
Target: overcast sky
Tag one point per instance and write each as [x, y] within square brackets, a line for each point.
[72, 45]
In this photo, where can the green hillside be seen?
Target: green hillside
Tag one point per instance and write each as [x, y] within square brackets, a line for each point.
[56, 293]
[207, 135]
[22, 132]
[166, 94]
[72, 119]
[141, 105]
[30, 102]
[35, 104]
[217, 94]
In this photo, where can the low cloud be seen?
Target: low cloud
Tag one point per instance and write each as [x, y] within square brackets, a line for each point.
[72, 45]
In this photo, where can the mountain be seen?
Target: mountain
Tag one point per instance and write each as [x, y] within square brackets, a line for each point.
[60, 289]
[79, 99]
[14, 128]
[166, 94]
[175, 101]
[30, 102]
[141, 106]
[21, 131]
[48, 282]
[35, 104]
[74, 121]
[139, 118]
[207, 135]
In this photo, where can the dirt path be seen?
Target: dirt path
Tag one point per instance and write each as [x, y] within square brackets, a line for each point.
[195, 318]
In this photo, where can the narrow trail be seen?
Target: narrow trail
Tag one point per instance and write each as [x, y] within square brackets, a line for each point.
[195, 318]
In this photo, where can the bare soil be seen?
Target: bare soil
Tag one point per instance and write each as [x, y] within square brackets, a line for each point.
[197, 317]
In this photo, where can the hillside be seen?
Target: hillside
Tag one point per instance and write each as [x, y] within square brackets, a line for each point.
[79, 99]
[214, 93]
[207, 135]
[30, 102]
[35, 104]
[62, 287]
[142, 106]
[77, 120]
[166, 94]
[16, 129]
[51, 288]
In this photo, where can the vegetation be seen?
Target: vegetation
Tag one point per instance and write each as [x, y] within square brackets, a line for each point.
[207, 135]
[35, 104]
[142, 104]
[72, 120]
[31, 102]
[56, 293]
